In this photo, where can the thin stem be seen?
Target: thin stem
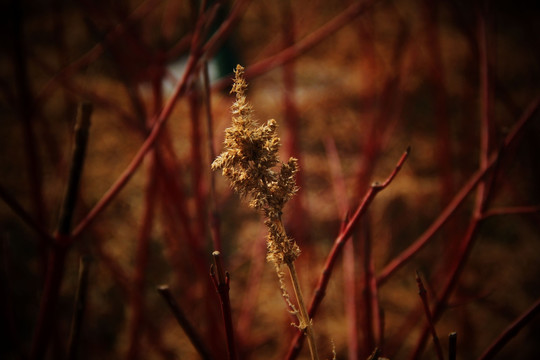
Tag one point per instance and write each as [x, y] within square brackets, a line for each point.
[372, 321]
[452, 346]
[310, 41]
[511, 210]
[349, 276]
[221, 283]
[343, 236]
[136, 299]
[305, 321]
[138, 158]
[28, 219]
[80, 305]
[184, 323]
[423, 295]
[511, 331]
[451, 208]
[57, 254]
[79, 153]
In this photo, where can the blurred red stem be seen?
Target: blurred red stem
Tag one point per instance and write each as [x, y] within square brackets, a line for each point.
[196, 165]
[372, 312]
[93, 54]
[423, 296]
[302, 46]
[511, 210]
[184, 323]
[79, 308]
[26, 111]
[136, 298]
[510, 332]
[141, 153]
[473, 181]
[57, 255]
[25, 216]
[45, 323]
[349, 274]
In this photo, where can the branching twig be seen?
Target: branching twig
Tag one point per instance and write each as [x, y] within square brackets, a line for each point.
[57, 255]
[322, 284]
[307, 43]
[510, 332]
[423, 295]
[141, 153]
[473, 181]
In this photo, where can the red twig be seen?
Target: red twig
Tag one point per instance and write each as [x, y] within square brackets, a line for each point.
[512, 210]
[141, 153]
[141, 263]
[349, 275]
[28, 219]
[481, 200]
[79, 308]
[473, 181]
[225, 29]
[57, 255]
[221, 283]
[372, 311]
[300, 219]
[184, 323]
[197, 164]
[423, 295]
[510, 332]
[307, 43]
[26, 113]
[322, 284]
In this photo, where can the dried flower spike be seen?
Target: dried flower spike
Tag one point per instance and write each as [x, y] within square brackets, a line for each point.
[250, 161]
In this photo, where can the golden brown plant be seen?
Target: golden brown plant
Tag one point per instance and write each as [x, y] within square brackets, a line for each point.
[250, 162]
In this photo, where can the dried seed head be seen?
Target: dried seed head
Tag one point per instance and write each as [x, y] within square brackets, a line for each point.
[250, 162]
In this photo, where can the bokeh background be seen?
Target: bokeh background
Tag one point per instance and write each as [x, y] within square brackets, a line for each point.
[351, 84]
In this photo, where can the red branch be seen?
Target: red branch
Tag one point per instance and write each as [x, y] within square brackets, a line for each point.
[137, 160]
[221, 283]
[510, 332]
[423, 295]
[302, 46]
[320, 290]
[473, 181]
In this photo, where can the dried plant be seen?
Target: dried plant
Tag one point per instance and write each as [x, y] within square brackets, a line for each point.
[251, 163]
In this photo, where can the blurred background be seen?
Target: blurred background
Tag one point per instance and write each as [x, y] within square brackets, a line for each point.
[351, 84]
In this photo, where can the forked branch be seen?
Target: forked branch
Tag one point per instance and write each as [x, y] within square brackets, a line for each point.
[340, 241]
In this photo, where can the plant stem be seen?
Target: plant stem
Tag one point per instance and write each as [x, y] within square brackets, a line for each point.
[184, 323]
[305, 321]
[46, 320]
[511, 331]
[452, 346]
[221, 282]
[342, 237]
[423, 296]
[80, 305]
